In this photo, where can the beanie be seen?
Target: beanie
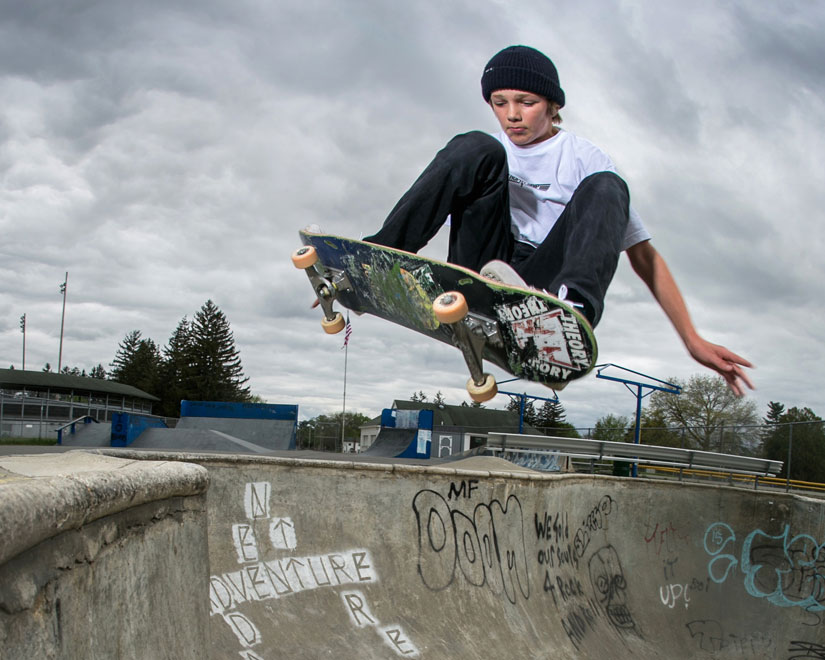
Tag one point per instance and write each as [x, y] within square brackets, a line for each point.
[523, 68]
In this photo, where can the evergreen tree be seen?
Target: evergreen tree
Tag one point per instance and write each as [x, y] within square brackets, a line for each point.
[552, 415]
[217, 374]
[177, 381]
[807, 444]
[418, 397]
[439, 399]
[775, 412]
[98, 372]
[137, 363]
[530, 416]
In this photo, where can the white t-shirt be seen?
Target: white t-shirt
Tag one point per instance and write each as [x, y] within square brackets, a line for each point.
[543, 178]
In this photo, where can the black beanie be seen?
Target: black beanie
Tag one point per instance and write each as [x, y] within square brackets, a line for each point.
[524, 68]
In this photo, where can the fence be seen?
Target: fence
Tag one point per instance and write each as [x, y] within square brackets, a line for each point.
[799, 445]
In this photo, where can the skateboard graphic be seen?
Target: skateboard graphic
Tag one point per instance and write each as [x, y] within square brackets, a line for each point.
[528, 333]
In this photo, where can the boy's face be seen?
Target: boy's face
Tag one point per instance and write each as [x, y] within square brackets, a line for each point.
[526, 118]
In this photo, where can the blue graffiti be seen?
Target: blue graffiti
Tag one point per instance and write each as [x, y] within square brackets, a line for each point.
[786, 570]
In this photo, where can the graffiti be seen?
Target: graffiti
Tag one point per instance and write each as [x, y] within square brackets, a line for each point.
[487, 547]
[260, 578]
[787, 571]
[594, 521]
[711, 637]
[664, 537]
[671, 593]
[543, 461]
[610, 588]
[465, 489]
[283, 577]
[580, 620]
[806, 651]
[361, 616]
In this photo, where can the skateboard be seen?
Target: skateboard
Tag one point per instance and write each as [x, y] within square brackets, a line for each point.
[528, 333]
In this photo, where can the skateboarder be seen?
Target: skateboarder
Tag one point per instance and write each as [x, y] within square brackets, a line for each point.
[539, 205]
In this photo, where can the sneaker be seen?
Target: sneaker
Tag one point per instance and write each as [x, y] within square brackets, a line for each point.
[562, 295]
[502, 272]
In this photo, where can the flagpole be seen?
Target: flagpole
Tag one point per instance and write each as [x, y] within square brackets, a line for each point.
[347, 333]
[62, 321]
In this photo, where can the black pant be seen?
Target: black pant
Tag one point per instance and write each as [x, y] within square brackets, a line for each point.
[469, 181]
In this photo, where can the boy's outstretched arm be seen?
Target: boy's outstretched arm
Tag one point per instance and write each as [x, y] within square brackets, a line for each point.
[652, 269]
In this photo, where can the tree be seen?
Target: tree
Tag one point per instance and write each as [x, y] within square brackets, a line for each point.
[806, 432]
[612, 428]
[217, 374]
[137, 363]
[775, 412]
[98, 372]
[529, 409]
[418, 397]
[654, 430]
[324, 431]
[707, 409]
[177, 382]
[439, 399]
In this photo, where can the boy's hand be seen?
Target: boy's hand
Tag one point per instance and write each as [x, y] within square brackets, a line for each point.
[726, 363]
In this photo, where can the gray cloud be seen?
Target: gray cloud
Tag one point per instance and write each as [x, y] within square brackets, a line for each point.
[165, 154]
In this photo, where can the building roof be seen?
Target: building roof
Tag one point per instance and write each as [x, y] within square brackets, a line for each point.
[468, 418]
[17, 378]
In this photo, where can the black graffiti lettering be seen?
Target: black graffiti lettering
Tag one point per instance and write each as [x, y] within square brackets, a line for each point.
[488, 547]
[806, 651]
[464, 489]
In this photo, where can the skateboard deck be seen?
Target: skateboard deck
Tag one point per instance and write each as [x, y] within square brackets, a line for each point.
[528, 333]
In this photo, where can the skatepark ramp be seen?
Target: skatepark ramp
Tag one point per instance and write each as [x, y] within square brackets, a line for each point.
[301, 558]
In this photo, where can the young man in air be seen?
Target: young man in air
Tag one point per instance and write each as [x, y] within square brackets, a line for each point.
[540, 206]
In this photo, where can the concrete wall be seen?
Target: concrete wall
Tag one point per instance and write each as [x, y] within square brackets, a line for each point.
[102, 558]
[313, 558]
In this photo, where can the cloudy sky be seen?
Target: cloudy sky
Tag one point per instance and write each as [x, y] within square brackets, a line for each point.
[166, 152]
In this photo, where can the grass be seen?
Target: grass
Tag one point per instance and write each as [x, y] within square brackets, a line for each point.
[27, 441]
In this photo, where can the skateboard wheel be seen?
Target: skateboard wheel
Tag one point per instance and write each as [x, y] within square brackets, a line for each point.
[304, 257]
[335, 325]
[484, 392]
[450, 307]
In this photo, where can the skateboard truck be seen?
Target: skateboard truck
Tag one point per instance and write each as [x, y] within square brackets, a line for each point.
[325, 287]
[472, 333]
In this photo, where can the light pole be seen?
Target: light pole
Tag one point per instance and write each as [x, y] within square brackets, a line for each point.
[23, 330]
[62, 321]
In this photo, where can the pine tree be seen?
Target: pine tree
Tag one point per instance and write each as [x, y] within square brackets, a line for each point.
[177, 381]
[552, 415]
[137, 363]
[98, 372]
[217, 374]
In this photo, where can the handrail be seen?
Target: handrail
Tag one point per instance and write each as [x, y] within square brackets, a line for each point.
[86, 419]
[633, 453]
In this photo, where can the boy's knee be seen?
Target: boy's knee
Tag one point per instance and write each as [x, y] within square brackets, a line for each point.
[478, 144]
[607, 184]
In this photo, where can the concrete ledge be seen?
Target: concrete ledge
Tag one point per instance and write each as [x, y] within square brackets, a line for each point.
[44, 495]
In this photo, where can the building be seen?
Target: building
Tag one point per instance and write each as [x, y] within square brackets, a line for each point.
[455, 428]
[34, 404]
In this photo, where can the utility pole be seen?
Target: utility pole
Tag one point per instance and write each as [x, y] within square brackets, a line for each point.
[62, 322]
[23, 330]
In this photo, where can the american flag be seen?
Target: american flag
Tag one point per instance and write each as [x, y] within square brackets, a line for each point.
[347, 332]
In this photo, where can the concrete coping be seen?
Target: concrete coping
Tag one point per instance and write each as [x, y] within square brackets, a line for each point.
[476, 466]
[46, 494]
